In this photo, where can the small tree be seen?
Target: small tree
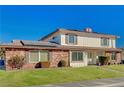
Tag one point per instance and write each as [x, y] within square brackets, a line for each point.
[16, 62]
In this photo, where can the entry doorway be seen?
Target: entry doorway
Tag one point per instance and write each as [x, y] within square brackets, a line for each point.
[91, 58]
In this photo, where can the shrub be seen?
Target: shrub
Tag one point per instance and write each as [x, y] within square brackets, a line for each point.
[16, 62]
[62, 63]
[103, 60]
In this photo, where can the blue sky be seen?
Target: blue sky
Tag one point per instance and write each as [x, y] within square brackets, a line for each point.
[33, 22]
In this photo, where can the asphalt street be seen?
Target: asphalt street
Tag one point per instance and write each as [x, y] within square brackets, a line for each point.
[109, 82]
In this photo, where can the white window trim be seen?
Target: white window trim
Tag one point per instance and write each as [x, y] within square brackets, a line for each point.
[38, 56]
[30, 56]
[114, 59]
[108, 41]
[80, 60]
[75, 39]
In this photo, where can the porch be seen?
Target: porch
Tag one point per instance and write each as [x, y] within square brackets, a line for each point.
[114, 57]
[80, 58]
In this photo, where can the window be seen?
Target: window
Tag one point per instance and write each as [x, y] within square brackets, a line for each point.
[104, 41]
[37, 56]
[113, 56]
[34, 56]
[74, 56]
[77, 56]
[43, 56]
[71, 39]
[80, 56]
[89, 55]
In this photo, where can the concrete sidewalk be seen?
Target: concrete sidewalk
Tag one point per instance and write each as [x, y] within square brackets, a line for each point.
[109, 82]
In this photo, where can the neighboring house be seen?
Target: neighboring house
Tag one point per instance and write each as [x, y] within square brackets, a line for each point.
[122, 55]
[76, 48]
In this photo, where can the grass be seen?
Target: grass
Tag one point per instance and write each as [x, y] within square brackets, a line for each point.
[116, 67]
[53, 76]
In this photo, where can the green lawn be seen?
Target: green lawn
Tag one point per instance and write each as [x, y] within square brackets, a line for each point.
[116, 67]
[53, 76]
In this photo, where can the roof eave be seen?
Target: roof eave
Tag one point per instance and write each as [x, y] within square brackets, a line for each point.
[49, 34]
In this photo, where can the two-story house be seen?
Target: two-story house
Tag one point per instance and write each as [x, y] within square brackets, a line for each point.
[75, 48]
[85, 46]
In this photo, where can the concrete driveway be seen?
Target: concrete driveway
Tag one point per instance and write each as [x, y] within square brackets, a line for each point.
[111, 82]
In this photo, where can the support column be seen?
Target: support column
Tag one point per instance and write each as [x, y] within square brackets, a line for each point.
[85, 56]
[118, 57]
[108, 54]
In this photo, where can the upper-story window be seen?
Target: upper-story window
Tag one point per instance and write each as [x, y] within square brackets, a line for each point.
[71, 39]
[104, 41]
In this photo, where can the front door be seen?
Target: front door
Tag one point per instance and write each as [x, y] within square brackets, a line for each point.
[90, 58]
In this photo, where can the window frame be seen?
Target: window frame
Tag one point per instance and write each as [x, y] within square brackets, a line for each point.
[77, 56]
[30, 61]
[105, 41]
[47, 56]
[113, 57]
[89, 55]
[68, 39]
[39, 56]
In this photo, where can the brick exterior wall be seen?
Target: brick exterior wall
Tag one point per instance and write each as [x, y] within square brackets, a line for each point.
[10, 53]
[56, 56]
[118, 57]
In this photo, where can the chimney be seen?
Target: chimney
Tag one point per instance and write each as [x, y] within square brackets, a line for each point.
[88, 30]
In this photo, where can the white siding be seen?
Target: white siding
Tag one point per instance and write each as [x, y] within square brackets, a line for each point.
[89, 42]
[114, 43]
[79, 64]
[86, 41]
[62, 39]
